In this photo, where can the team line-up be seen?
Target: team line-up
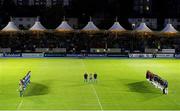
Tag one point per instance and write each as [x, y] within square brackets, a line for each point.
[154, 79]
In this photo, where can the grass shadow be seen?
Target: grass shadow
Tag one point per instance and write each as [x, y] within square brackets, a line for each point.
[143, 87]
[36, 89]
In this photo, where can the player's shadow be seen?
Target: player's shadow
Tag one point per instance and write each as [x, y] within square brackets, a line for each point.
[36, 89]
[142, 87]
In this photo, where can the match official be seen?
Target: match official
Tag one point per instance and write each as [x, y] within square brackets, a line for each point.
[85, 77]
[90, 77]
[95, 77]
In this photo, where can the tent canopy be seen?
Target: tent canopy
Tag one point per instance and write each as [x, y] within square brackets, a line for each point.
[90, 27]
[169, 29]
[143, 28]
[37, 26]
[64, 26]
[116, 27]
[11, 27]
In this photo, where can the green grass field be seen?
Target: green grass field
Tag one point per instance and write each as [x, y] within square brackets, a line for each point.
[57, 84]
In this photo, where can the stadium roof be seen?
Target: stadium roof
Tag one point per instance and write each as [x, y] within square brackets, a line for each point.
[10, 27]
[169, 29]
[116, 27]
[64, 26]
[143, 28]
[37, 26]
[90, 26]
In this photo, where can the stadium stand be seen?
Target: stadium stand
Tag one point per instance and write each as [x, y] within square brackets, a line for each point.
[78, 43]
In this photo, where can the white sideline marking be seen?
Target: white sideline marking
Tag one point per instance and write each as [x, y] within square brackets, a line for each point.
[94, 90]
[97, 97]
[20, 104]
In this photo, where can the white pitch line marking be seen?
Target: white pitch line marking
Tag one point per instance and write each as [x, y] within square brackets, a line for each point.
[20, 104]
[94, 90]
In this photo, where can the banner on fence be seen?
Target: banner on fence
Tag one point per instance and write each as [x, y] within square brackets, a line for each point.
[74, 55]
[96, 55]
[54, 55]
[1, 54]
[32, 55]
[12, 55]
[169, 51]
[117, 55]
[177, 56]
[140, 55]
[164, 55]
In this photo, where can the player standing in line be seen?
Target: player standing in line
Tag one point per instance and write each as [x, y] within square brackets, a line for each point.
[21, 91]
[147, 75]
[85, 77]
[155, 81]
[95, 77]
[166, 87]
[21, 88]
[90, 77]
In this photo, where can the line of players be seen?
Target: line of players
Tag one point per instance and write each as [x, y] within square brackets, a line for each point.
[23, 83]
[157, 81]
[90, 78]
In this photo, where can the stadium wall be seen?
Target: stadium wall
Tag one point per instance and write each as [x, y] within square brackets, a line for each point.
[1, 54]
[177, 55]
[47, 55]
[141, 55]
[12, 54]
[32, 55]
[164, 55]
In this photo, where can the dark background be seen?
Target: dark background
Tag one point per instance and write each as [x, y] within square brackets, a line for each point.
[82, 9]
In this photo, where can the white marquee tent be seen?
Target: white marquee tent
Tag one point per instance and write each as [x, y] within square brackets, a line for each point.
[116, 27]
[64, 26]
[11, 27]
[90, 27]
[169, 29]
[37, 26]
[143, 28]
